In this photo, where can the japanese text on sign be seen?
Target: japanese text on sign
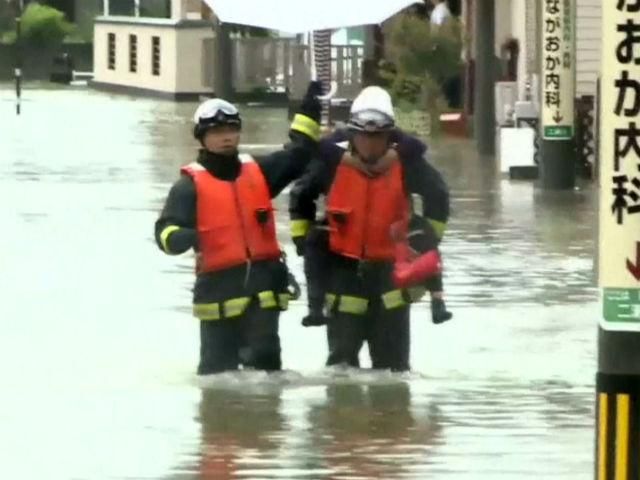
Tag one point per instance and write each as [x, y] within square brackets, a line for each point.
[619, 247]
[625, 179]
[558, 69]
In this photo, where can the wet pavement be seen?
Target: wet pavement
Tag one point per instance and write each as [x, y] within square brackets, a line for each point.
[98, 350]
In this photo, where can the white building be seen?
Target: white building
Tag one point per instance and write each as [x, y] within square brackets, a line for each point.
[175, 57]
[169, 57]
[521, 19]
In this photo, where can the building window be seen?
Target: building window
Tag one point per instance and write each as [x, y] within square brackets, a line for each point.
[155, 8]
[111, 51]
[155, 56]
[124, 8]
[133, 53]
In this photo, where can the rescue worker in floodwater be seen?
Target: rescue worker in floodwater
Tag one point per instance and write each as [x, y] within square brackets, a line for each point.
[374, 253]
[221, 208]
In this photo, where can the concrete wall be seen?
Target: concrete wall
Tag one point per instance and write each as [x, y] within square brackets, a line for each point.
[179, 43]
[525, 25]
[196, 71]
[504, 26]
[589, 45]
[519, 27]
[37, 63]
[524, 20]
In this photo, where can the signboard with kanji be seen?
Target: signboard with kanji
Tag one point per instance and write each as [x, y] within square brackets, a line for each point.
[558, 69]
[619, 250]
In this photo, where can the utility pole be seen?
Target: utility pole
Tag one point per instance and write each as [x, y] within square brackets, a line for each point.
[223, 77]
[558, 84]
[618, 378]
[485, 75]
[18, 65]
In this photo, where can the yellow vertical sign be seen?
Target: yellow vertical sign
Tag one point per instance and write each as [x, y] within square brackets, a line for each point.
[619, 248]
[558, 69]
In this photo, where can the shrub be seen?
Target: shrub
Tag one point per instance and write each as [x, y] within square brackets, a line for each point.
[44, 26]
[421, 58]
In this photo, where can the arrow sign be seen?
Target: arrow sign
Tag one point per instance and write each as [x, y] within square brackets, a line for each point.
[634, 268]
[557, 117]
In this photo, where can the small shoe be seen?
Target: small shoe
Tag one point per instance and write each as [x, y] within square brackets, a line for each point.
[439, 312]
[314, 320]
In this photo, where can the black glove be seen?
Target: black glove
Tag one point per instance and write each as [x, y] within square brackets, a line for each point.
[182, 240]
[311, 106]
[423, 238]
[293, 287]
[299, 243]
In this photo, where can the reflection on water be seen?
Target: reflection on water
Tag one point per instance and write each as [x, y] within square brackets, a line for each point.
[238, 431]
[374, 430]
[357, 426]
[98, 349]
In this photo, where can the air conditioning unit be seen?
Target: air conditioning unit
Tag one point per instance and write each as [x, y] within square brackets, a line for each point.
[506, 97]
[525, 110]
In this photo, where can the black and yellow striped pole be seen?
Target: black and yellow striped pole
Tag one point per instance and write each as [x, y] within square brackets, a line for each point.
[618, 379]
[19, 51]
[618, 429]
[322, 63]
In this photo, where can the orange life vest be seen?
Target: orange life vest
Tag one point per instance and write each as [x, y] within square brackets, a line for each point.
[362, 210]
[235, 220]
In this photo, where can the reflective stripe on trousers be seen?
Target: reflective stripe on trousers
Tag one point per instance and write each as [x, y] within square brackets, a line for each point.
[235, 307]
[359, 305]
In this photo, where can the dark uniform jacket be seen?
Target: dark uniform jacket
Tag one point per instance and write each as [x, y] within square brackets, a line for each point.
[279, 169]
[420, 178]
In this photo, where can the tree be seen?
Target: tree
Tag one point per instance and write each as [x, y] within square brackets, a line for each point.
[421, 58]
[42, 27]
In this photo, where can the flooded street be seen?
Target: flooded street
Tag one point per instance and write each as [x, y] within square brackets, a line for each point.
[98, 349]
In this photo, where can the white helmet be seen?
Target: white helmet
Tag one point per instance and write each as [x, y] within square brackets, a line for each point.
[372, 111]
[215, 112]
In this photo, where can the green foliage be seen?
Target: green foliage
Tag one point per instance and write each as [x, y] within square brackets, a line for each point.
[44, 26]
[421, 58]
[416, 47]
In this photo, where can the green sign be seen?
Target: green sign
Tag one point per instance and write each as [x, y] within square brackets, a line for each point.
[558, 132]
[621, 306]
